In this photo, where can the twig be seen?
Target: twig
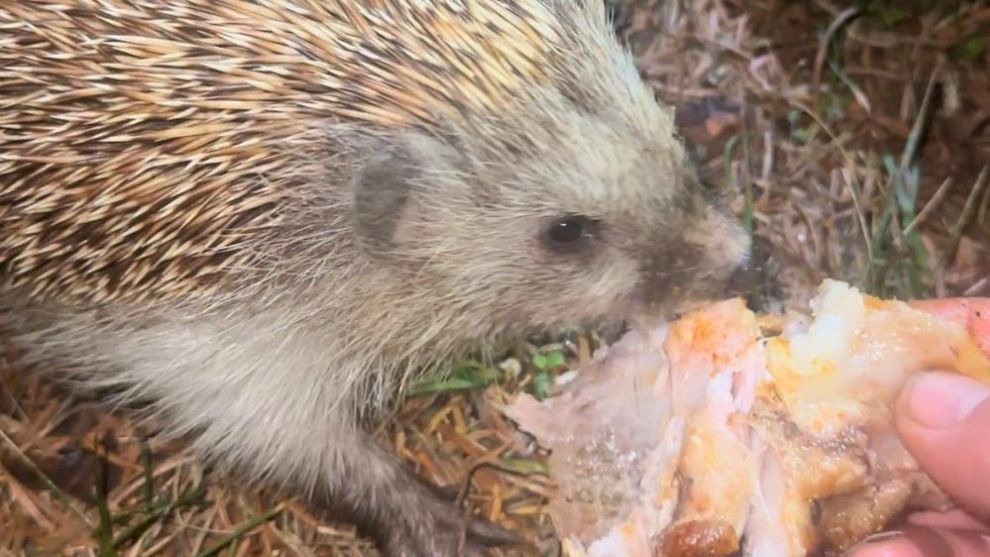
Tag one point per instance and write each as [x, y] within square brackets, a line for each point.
[58, 493]
[929, 207]
[466, 487]
[914, 138]
[241, 530]
[840, 21]
[104, 530]
[966, 214]
[160, 510]
[980, 285]
[853, 189]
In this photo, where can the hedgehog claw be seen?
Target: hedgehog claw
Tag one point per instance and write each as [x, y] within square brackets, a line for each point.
[491, 535]
[436, 528]
[478, 530]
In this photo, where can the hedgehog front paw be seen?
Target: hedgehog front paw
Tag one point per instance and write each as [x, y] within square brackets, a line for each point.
[433, 527]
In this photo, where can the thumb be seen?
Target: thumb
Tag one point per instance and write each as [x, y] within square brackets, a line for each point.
[944, 421]
[915, 541]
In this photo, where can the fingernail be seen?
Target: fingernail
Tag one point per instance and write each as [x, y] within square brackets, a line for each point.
[864, 546]
[942, 400]
[883, 536]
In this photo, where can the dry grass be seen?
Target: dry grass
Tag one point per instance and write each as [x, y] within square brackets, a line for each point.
[852, 137]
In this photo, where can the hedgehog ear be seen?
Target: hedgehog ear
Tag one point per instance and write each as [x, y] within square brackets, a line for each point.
[384, 192]
[381, 190]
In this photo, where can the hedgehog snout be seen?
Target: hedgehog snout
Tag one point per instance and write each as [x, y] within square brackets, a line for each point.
[685, 271]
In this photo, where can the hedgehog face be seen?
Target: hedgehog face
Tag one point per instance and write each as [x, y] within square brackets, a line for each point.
[627, 228]
[578, 230]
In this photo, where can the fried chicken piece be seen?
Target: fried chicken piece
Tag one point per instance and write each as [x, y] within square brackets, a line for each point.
[771, 435]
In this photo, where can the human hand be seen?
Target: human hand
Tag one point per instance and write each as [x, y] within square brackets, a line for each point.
[944, 421]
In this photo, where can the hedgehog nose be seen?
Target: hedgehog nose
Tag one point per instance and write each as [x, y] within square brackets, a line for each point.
[742, 280]
[755, 280]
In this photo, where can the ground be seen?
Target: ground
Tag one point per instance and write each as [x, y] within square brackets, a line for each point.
[852, 137]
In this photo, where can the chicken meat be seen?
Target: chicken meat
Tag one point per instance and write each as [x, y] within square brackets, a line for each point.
[726, 432]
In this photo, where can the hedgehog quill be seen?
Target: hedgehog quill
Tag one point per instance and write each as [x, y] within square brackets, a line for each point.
[268, 216]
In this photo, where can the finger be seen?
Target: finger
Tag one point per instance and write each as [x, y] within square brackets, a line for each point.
[926, 542]
[944, 421]
[952, 520]
[891, 547]
[972, 313]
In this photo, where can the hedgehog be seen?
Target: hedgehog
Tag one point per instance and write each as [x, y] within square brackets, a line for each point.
[266, 218]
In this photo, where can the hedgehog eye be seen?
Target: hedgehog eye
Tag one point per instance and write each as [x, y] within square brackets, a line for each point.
[570, 232]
